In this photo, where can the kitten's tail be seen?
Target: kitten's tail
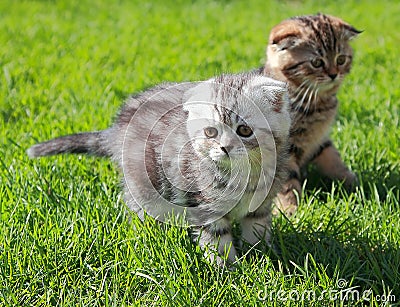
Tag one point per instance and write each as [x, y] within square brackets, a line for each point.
[86, 143]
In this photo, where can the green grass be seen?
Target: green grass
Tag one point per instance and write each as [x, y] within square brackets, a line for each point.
[65, 238]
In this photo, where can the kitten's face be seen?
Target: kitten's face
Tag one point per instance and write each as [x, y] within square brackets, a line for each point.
[222, 138]
[312, 53]
[228, 127]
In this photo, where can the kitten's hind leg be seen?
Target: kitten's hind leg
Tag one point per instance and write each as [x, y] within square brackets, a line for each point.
[256, 226]
[286, 200]
[217, 237]
[330, 164]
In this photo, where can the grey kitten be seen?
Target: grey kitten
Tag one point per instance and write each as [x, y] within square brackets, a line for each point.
[211, 152]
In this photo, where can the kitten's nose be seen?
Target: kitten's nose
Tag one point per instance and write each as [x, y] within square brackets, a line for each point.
[332, 76]
[226, 149]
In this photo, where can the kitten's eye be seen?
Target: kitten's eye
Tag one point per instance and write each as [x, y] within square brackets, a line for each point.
[317, 62]
[210, 132]
[341, 59]
[244, 131]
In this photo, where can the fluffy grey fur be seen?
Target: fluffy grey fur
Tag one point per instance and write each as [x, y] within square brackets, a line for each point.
[212, 152]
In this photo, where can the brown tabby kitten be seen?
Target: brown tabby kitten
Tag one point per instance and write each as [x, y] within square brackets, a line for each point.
[312, 54]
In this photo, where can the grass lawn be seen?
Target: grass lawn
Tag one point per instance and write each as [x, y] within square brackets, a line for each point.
[65, 238]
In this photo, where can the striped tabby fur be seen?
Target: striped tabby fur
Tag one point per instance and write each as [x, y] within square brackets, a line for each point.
[312, 54]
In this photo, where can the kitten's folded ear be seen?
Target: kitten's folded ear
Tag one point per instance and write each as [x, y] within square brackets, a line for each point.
[194, 99]
[285, 35]
[350, 32]
[270, 91]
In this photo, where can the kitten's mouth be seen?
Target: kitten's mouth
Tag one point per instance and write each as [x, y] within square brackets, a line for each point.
[221, 158]
[328, 85]
[226, 157]
[226, 152]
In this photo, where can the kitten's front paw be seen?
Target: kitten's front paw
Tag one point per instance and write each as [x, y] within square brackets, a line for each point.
[286, 201]
[350, 181]
[227, 260]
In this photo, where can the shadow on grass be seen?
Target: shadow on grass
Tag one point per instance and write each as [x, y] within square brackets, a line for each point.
[358, 258]
[340, 248]
[362, 263]
[380, 178]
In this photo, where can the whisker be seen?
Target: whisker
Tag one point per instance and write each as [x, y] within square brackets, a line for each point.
[300, 90]
[310, 98]
[298, 103]
[316, 97]
[303, 98]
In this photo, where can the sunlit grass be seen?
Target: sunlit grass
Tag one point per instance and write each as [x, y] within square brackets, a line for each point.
[65, 237]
